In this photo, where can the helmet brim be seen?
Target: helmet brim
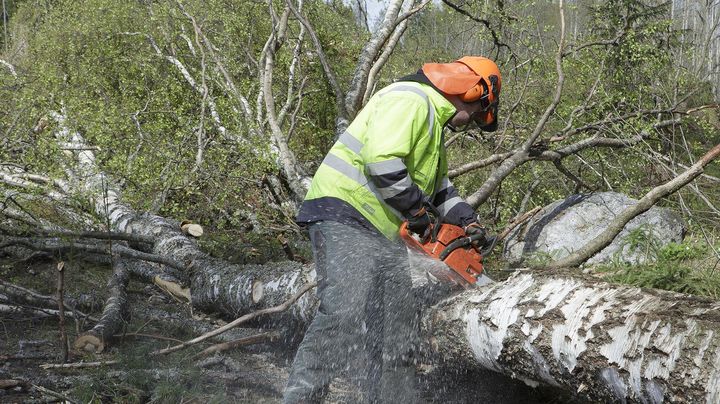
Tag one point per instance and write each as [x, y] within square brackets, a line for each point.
[451, 78]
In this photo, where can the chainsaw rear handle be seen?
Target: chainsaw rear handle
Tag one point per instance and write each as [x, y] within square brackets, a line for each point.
[435, 220]
[435, 225]
[489, 245]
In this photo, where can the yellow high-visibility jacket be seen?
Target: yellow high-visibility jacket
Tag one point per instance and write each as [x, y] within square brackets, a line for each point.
[389, 160]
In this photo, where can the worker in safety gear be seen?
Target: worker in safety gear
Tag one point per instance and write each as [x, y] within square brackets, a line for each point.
[381, 171]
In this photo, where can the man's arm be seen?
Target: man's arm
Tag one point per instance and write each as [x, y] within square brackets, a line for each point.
[451, 206]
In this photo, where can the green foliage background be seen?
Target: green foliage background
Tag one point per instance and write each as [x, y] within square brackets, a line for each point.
[94, 61]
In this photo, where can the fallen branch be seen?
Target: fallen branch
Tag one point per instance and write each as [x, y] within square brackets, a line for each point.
[153, 336]
[77, 365]
[137, 238]
[52, 393]
[11, 308]
[18, 294]
[238, 321]
[9, 66]
[123, 251]
[518, 221]
[465, 168]
[61, 310]
[11, 384]
[253, 339]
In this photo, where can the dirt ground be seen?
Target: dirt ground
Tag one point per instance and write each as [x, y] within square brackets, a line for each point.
[251, 374]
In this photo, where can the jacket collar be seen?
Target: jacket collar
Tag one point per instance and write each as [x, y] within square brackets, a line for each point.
[444, 109]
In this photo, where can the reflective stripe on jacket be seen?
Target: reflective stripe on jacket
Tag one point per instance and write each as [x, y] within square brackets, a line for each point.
[390, 158]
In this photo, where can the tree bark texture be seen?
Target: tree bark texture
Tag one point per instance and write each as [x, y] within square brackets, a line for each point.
[115, 313]
[215, 284]
[23, 296]
[603, 342]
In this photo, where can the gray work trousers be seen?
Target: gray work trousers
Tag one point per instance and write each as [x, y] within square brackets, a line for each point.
[366, 326]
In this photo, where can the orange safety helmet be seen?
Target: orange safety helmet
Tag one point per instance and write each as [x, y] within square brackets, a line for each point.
[472, 78]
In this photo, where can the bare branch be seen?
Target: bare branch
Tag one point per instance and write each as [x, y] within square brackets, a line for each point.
[245, 105]
[276, 309]
[35, 232]
[10, 67]
[382, 59]
[354, 96]
[253, 339]
[329, 73]
[191, 80]
[29, 184]
[77, 365]
[22, 295]
[56, 246]
[578, 182]
[287, 158]
[465, 168]
[522, 155]
[520, 219]
[496, 38]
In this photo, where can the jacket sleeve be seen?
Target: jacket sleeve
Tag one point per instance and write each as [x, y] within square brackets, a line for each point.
[395, 129]
[451, 206]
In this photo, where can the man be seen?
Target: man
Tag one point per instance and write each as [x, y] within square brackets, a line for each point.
[384, 169]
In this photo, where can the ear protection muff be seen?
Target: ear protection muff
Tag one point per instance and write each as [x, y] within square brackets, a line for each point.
[480, 91]
[477, 92]
[489, 100]
[487, 116]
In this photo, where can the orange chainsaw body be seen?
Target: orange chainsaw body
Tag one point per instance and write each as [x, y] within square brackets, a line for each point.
[465, 261]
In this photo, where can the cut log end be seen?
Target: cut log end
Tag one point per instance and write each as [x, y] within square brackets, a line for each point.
[192, 229]
[258, 291]
[89, 343]
[173, 289]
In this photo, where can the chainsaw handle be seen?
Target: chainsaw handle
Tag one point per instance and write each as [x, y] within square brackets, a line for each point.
[433, 229]
[435, 226]
[488, 246]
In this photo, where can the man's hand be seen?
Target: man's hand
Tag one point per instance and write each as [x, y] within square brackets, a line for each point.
[419, 223]
[477, 232]
[481, 239]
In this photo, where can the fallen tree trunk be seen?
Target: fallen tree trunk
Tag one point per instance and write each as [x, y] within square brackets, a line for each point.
[574, 337]
[603, 342]
[215, 285]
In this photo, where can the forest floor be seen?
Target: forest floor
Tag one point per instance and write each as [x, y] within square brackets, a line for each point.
[252, 374]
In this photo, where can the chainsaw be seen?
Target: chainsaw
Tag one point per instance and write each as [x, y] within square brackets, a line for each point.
[449, 243]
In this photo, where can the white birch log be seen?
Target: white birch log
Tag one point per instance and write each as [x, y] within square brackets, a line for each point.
[215, 285]
[603, 342]
[116, 310]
